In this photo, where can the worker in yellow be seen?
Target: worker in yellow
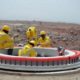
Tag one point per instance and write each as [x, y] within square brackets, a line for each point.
[28, 50]
[5, 40]
[44, 40]
[31, 33]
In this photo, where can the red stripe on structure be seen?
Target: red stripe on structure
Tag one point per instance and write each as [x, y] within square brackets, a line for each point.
[39, 59]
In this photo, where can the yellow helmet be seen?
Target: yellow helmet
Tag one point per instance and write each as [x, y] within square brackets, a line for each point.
[32, 42]
[42, 33]
[32, 28]
[5, 27]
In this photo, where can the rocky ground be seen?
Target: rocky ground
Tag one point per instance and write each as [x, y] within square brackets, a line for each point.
[62, 34]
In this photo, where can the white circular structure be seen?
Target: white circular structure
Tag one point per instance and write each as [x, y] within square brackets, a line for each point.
[53, 62]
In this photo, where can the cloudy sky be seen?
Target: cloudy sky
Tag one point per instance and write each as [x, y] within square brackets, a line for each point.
[42, 10]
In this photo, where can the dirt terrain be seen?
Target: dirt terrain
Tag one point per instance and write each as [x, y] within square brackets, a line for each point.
[62, 34]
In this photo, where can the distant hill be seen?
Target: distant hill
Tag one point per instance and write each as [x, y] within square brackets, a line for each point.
[50, 24]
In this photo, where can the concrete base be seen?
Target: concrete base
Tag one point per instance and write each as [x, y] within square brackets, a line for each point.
[9, 75]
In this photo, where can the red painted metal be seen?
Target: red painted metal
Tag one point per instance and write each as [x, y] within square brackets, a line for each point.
[39, 59]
